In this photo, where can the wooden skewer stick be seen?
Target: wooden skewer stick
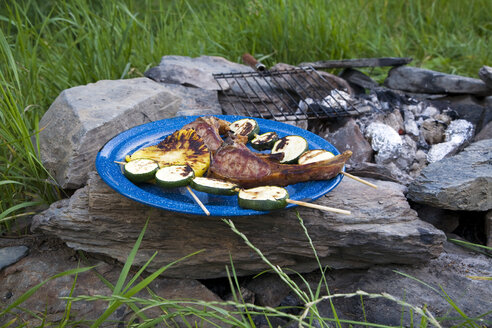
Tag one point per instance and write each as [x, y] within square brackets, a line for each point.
[198, 201]
[348, 175]
[118, 162]
[319, 207]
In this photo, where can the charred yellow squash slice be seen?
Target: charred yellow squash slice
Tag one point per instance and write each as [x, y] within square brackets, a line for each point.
[180, 148]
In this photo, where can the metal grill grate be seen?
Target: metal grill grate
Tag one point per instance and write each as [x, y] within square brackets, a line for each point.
[283, 95]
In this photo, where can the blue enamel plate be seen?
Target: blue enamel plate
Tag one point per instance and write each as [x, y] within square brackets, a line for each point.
[178, 199]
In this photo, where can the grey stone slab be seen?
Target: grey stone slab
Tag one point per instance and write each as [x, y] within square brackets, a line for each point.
[460, 182]
[10, 255]
[83, 118]
[419, 80]
[43, 264]
[457, 271]
[197, 72]
[485, 73]
[99, 220]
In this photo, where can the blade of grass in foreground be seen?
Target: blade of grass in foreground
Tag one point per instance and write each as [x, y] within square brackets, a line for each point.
[476, 247]
[129, 292]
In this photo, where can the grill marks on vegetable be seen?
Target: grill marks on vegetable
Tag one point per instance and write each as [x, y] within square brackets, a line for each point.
[184, 139]
[264, 198]
[174, 176]
[245, 127]
[264, 141]
[291, 147]
[183, 147]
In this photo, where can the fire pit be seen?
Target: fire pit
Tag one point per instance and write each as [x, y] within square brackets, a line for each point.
[286, 94]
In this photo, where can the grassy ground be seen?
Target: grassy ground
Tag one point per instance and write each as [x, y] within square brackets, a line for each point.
[48, 46]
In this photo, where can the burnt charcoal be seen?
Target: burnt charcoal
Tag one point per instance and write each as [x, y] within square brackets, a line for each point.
[358, 80]
[396, 98]
[470, 226]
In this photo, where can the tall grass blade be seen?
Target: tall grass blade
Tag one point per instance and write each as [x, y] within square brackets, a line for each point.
[129, 262]
[116, 302]
[3, 215]
[473, 246]
[323, 277]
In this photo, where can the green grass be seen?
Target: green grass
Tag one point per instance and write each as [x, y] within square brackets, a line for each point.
[48, 46]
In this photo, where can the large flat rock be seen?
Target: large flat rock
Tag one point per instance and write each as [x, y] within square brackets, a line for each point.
[419, 80]
[83, 118]
[197, 72]
[460, 182]
[381, 229]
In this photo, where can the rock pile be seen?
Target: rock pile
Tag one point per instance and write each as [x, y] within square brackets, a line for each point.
[396, 140]
[423, 137]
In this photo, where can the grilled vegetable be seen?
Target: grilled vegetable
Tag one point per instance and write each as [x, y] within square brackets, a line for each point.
[140, 170]
[246, 127]
[265, 198]
[174, 176]
[291, 147]
[214, 186]
[180, 148]
[315, 155]
[264, 141]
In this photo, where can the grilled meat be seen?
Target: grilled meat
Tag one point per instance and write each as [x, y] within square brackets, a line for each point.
[209, 129]
[234, 162]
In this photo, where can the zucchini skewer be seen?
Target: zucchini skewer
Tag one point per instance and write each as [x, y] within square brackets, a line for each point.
[140, 170]
[171, 176]
[214, 186]
[268, 198]
[174, 176]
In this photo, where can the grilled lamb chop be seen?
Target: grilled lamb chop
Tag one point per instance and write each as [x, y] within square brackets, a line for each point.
[234, 162]
[209, 128]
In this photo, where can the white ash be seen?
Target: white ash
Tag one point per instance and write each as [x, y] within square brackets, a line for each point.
[430, 111]
[459, 131]
[403, 132]
[336, 99]
[411, 128]
[385, 141]
[303, 105]
[457, 134]
[440, 150]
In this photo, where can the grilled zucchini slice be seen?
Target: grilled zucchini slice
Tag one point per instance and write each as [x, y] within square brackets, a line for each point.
[174, 176]
[292, 147]
[183, 147]
[264, 141]
[246, 127]
[315, 155]
[264, 198]
[214, 186]
[140, 170]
